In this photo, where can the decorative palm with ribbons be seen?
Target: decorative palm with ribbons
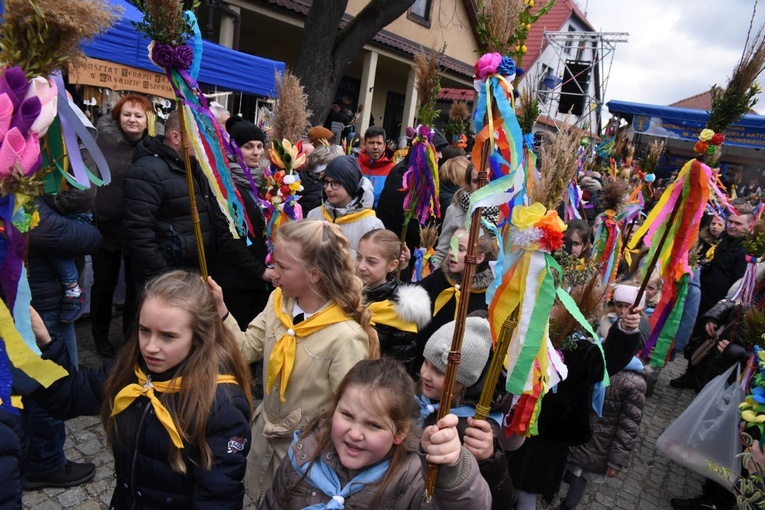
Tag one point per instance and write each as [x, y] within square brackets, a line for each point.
[169, 50]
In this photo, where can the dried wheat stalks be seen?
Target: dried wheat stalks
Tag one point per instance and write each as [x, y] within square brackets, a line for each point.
[291, 113]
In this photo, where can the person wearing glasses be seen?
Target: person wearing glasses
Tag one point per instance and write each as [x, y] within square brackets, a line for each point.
[347, 201]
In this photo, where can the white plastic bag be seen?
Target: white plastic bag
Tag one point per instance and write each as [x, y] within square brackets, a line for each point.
[707, 431]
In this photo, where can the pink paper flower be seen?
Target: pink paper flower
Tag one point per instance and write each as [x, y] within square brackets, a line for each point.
[487, 65]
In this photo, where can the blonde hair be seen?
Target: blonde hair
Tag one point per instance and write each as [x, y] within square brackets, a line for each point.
[325, 249]
[214, 351]
[388, 243]
[453, 171]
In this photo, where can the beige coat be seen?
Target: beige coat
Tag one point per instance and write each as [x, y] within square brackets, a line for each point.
[321, 361]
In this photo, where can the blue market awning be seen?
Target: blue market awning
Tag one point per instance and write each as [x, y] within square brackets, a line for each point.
[221, 66]
[686, 123]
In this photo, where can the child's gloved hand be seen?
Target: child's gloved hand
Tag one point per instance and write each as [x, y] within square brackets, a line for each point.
[217, 293]
[479, 439]
[441, 442]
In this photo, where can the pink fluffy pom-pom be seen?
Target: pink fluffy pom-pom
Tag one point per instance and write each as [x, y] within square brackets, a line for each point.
[487, 65]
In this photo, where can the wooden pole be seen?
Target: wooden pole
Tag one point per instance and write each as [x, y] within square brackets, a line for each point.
[495, 366]
[453, 360]
[657, 252]
[192, 194]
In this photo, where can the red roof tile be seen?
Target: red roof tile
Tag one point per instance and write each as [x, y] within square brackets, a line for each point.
[449, 94]
[701, 101]
[553, 21]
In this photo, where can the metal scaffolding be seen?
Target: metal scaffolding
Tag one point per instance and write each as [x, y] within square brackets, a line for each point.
[579, 67]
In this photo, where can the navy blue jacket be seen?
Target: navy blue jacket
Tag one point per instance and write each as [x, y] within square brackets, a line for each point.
[144, 477]
[56, 236]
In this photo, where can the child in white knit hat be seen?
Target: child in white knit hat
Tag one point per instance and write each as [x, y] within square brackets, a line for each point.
[623, 297]
[480, 437]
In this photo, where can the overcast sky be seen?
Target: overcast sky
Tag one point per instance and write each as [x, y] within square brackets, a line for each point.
[676, 48]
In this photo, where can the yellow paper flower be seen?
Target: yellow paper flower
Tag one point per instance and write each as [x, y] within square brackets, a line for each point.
[525, 217]
[706, 135]
[35, 220]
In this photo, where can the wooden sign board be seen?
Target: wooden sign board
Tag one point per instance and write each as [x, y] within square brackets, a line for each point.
[100, 73]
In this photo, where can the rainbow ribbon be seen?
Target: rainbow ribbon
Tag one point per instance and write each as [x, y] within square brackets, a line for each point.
[421, 179]
[690, 192]
[607, 247]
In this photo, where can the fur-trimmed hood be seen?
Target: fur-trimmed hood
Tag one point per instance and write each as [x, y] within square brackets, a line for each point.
[413, 304]
[481, 279]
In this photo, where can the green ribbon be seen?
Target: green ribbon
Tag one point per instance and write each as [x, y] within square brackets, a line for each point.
[570, 305]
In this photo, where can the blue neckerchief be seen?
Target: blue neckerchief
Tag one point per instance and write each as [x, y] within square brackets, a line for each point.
[324, 478]
[635, 365]
[427, 408]
[598, 397]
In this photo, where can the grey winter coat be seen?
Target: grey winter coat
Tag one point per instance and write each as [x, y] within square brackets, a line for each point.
[457, 487]
[615, 434]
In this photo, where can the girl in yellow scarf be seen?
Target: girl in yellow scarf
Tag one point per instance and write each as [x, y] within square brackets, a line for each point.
[176, 404]
[314, 328]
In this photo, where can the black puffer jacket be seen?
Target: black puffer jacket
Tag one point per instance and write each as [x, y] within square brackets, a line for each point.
[311, 196]
[157, 230]
[411, 304]
[440, 280]
[144, 478]
[10, 460]
[615, 434]
[118, 151]
[56, 236]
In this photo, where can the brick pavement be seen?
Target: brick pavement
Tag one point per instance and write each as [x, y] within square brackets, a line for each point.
[650, 482]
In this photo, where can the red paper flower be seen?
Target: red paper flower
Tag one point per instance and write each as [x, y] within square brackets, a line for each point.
[701, 147]
[717, 139]
[552, 239]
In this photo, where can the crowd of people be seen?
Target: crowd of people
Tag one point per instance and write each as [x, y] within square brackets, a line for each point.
[351, 354]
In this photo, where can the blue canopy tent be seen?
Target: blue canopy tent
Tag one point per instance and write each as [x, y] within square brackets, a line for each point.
[686, 123]
[221, 66]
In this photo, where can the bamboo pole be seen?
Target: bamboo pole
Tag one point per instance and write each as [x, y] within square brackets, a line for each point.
[495, 365]
[453, 360]
[192, 194]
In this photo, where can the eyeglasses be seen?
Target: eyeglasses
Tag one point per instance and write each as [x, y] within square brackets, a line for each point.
[330, 184]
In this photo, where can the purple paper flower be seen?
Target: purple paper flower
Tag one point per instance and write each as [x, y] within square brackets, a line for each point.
[183, 56]
[163, 55]
[168, 56]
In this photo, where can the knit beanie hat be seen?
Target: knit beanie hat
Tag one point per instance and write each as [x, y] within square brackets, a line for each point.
[345, 170]
[476, 345]
[439, 140]
[627, 294]
[244, 131]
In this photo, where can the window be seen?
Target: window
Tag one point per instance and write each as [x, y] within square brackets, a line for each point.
[569, 41]
[547, 82]
[419, 12]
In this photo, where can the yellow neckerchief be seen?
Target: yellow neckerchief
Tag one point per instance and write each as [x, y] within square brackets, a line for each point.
[348, 218]
[283, 356]
[145, 387]
[384, 312]
[710, 254]
[446, 295]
